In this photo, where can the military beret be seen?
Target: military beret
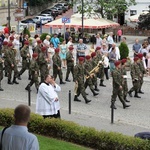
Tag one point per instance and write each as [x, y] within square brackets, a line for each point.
[136, 58]
[70, 48]
[34, 55]
[140, 55]
[43, 49]
[98, 48]
[87, 57]
[117, 63]
[57, 50]
[26, 42]
[10, 44]
[123, 61]
[11, 38]
[39, 41]
[81, 58]
[5, 43]
[93, 54]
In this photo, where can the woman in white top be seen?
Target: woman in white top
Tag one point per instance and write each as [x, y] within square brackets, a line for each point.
[51, 51]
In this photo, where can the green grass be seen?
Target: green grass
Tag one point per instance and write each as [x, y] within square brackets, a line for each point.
[47, 143]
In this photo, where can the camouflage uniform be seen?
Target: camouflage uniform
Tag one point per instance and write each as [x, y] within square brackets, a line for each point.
[34, 69]
[25, 60]
[1, 71]
[37, 49]
[79, 72]
[117, 91]
[10, 60]
[70, 65]
[57, 63]
[88, 67]
[124, 83]
[42, 62]
[136, 77]
[142, 72]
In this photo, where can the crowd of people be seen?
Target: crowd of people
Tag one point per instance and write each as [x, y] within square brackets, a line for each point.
[87, 66]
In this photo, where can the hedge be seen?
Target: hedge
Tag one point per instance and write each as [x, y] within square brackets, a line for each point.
[72, 132]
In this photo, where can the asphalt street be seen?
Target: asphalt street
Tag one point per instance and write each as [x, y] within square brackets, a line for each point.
[96, 114]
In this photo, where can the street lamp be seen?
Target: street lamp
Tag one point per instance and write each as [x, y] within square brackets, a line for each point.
[8, 18]
[82, 17]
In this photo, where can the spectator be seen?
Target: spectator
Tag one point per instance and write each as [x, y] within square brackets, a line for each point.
[110, 40]
[136, 47]
[17, 137]
[119, 34]
[67, 35]
[55, 40]
[47, 103]
[98, 40]
[63, 52]
[117, 51]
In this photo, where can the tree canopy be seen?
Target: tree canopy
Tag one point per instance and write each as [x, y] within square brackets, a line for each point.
[106, 8]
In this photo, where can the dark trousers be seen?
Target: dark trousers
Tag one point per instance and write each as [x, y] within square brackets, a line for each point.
[106, 73]
[53, 116]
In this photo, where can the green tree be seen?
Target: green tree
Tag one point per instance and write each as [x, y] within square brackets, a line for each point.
[124, 50]
[106, 8]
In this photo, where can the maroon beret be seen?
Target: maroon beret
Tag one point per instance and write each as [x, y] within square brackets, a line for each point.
[123, 61]
[93, 54]
[26, 42]
[87, 57]
[57, 50]
[140, 55]
[98, 48]
[43, 49]
[136, 58]
[117, 63]
[5, 43]
[11, 38]
[39, 41]
[81, 58]
[70, 48]
[10, 44]
[34, 55]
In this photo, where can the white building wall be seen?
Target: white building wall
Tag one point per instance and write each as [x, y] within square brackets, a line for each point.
[142, 5]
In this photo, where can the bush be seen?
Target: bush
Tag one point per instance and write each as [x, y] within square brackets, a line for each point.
[72, 132]
[124, 50]
[43, 36]
[26, 31]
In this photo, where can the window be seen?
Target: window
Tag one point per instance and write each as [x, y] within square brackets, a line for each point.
[133, 12]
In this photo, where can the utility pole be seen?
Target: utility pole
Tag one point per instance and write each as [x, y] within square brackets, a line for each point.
[8, 18]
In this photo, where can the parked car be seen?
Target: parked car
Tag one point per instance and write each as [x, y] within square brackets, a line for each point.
[54, 13]
[61, 7]
[30, 20]
[41, 19]
[50, 18]
[65, 5]
[60, 11]
[54, 10]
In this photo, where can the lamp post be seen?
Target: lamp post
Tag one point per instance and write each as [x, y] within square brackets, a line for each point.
[82, 17]
[8, 18]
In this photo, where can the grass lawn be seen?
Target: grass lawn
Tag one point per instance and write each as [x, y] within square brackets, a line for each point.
[47, 143]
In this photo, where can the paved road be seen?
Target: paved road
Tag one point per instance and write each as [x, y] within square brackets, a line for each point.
[95, 114]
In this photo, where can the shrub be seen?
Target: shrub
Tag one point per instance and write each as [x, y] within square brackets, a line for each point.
[26, 31]
[124, 50]
[72, 132]
[43, 36]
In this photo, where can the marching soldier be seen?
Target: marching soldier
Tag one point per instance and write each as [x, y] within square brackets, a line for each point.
[79, 72]
[94, 64]
[57, 66]
[88, 67]
[10, 58]
[117, 86]
[25, 54]
[34, 69]
[4, 51]
[42, 61]
[70, 63]
[37, 49]
[101, 70]
[124, 79]
[136, 76]
[143, 71]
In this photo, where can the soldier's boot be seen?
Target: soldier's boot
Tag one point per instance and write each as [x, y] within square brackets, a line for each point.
[101, 83]
[86, 100]
[76, 99]
[130, 93]
[125, 98]
[96, 89]
[27, 87]
[113, 106]
[1, 87]
[136, 95]
[14, 81]
[140, 91]
[61, 82]
[9, 82]
[125, 105]
[94, 93]
[67, 79]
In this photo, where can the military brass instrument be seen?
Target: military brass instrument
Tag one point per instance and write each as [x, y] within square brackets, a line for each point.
[96, 69]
